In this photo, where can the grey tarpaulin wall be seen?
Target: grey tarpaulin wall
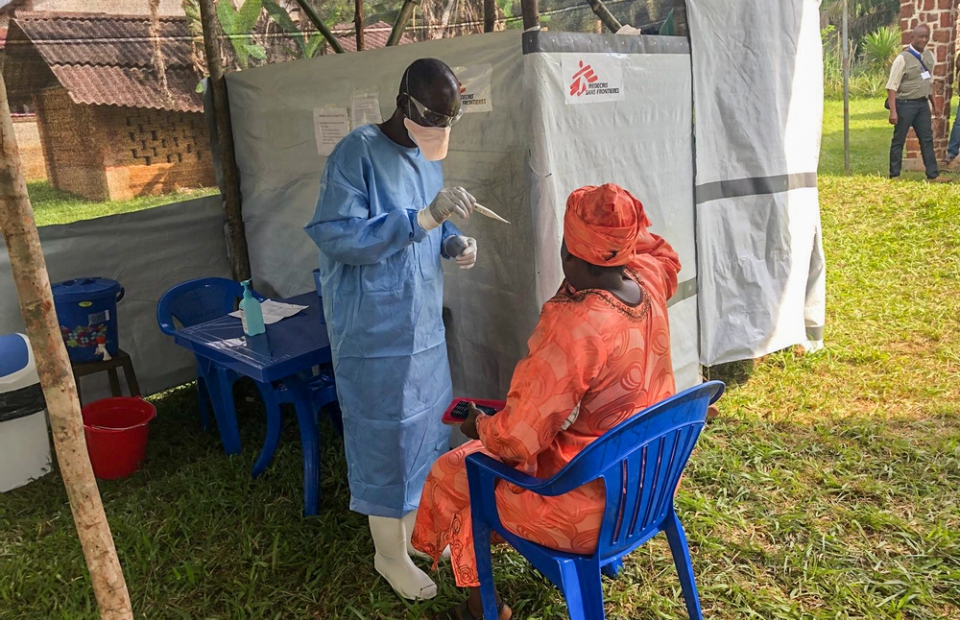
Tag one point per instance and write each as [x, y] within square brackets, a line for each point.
[758, 88]
[147, 252]
[521, 159]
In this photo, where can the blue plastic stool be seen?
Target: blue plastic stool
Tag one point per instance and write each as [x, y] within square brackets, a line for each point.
[640, 462]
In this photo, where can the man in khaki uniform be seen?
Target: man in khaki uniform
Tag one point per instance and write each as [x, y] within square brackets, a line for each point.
[910, 99]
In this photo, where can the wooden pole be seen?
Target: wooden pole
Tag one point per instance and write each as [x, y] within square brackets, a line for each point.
[318, 23]
[358, 22]
[489, 15]
[680, 17]
[531, 14]
[601, 11]
[401, 24]
[846, 91]
[228, 160]
[56, 377]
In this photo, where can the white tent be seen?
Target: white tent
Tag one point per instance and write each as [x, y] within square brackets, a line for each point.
[742, 211]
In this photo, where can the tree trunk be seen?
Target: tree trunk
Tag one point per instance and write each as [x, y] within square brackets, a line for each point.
[158, 61]
[601, 11]
[237, 236]
[358, 22]
[489, 15]
[56, 377]
[531, 14]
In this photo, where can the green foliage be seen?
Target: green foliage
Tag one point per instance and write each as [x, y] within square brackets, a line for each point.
[865, 16]
[881, 47]
[868, 75]
[192, 10]
[308, 46]
[239, 26]
[865, 83]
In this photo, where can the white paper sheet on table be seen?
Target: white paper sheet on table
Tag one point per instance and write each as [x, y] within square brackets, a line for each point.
[275, 311]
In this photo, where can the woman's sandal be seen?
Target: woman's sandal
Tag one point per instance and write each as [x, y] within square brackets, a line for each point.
[462, 612]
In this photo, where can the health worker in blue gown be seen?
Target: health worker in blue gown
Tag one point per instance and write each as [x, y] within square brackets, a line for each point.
[382, 227]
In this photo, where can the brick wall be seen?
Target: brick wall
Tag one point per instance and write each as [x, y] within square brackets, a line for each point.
[116, 153]
[941, 16]
[155, 151]
[31, 149]
[74, 158]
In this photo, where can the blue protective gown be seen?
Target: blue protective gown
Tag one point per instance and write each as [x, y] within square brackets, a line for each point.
[382, 285]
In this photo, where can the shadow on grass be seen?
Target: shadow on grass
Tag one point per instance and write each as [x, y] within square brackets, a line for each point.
[733, 374]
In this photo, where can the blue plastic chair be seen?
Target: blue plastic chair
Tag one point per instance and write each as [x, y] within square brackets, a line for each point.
[640, 462]
[198, 301]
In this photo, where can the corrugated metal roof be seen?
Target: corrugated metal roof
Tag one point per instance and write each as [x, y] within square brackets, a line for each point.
[374, 36]
[105, 40]
[130, 86]
[103, 59]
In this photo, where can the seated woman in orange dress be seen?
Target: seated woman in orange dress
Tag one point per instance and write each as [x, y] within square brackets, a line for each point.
[599, 355]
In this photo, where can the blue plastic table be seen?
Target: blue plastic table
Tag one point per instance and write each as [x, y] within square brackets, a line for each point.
[280, 363]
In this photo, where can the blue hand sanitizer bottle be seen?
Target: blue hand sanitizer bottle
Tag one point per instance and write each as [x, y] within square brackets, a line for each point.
[251, 315]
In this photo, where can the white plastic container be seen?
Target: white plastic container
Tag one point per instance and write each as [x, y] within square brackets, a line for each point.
[24, 440]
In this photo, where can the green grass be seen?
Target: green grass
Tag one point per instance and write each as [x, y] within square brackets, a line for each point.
[828, 488]
[51, 206]
[870, 135]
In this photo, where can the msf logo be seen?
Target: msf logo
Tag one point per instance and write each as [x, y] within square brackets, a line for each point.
[581, 79]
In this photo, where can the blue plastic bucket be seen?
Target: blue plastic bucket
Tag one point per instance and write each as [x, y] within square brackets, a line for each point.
[87, 310]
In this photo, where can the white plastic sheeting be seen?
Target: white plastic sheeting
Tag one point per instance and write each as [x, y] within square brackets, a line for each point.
[758, 87]
[147, 252]
[520, 158]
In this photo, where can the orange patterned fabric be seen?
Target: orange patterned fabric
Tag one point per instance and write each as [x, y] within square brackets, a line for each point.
[589, 349]
[601, 224]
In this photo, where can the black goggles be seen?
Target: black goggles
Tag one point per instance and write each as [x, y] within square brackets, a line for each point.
[431, 118]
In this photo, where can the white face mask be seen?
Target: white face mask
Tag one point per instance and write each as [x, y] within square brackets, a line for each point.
[432, 141]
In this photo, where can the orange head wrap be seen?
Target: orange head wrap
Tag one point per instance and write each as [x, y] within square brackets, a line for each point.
[603, 224]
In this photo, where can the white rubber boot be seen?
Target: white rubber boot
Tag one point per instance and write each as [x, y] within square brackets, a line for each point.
[409, 521]
[393, 563]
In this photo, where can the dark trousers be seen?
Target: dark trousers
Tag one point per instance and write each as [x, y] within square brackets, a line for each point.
[913, 113]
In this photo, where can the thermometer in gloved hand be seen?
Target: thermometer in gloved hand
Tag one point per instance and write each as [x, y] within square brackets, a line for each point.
[482, 210]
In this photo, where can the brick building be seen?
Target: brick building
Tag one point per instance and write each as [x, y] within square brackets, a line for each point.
[941, 16]
[111, 127]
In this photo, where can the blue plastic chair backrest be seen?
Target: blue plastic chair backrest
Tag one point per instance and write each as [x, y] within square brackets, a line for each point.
[197, 301]
[640, 461]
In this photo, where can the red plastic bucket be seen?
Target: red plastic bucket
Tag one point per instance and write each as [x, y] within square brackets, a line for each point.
[116, 431]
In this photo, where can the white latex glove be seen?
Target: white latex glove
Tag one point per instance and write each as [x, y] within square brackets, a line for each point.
[450, 201]
[463, 250]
